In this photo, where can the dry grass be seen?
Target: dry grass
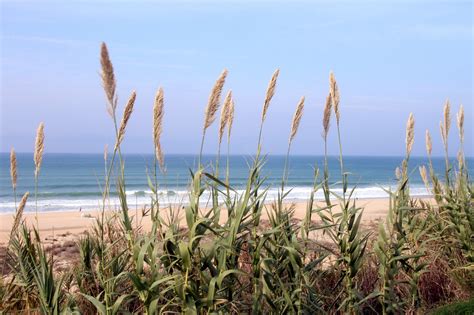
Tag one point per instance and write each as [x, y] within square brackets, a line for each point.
[410, 134]
[421, 256]
[214, 100]
[108, 79]
[269, 94]
[13, 168]
[158, 113]
[295, 123]
[39, 148]
[126, 116]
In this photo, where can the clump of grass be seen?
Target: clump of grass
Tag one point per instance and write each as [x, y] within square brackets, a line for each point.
[249, 263]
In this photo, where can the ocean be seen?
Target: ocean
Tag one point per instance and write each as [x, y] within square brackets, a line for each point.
[73, 181]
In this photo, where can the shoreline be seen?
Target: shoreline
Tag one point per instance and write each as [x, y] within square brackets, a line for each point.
[288, 200]
[69, 225]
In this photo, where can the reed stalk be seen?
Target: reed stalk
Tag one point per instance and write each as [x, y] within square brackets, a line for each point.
[444, 126]
[212, 107]
[295, 123]
[266, 104]
[38, 159]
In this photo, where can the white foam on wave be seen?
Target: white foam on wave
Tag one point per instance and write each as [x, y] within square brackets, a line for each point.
[139, 198]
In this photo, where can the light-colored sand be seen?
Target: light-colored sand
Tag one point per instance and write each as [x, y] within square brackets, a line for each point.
[68, 225]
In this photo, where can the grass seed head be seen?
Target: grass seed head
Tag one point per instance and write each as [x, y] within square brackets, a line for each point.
[230, 118]
[39, 148]
[424, 175]
[446, 121]
[460, 117]
[19, 213]
[225, 112]
[327, 115]
[13, 168]
[126, 116]
[297, 118]
[410, 134]
[270, 92]
[214, 100]
[429, 143]
[158, 113]
[334, 91]
[108, 79]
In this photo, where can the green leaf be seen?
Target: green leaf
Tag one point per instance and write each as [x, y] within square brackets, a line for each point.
[98, 305]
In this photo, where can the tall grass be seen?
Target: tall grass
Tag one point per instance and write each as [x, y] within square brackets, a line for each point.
[260, 258]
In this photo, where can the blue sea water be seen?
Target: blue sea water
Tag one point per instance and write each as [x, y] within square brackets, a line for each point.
[73, 181]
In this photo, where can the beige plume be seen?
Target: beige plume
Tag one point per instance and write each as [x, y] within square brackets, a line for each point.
[460, 117]
[39, 148]
[447, 121]
[443, 133]
[230, 118]
[334, 91]
[424, 175]
[106, 152]
[429, 143]
[270, 93]
[19, 214]
[108, 79]
[460, 160]
[214, 99]
[410, 133]
[296, 119]
[225, 112]
[126, 116]
[398, 173]
[327, 115]
[13, 168]
[158, 113]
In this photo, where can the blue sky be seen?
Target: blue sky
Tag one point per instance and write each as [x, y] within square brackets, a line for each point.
[390, 58]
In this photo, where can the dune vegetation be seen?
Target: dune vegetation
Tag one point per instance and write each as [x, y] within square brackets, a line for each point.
[259, 259]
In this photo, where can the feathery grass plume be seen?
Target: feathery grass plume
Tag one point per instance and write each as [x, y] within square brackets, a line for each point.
[460, 160]
[447, 118]
[39, 148]
[225, 112]
[429, 143]
[160, 156]
[230, 117]
[460, 117]
[398, 173]
[410, 133]
[327, 115]
[424, 175]
[334, 91]
[19, 214]
[158, 113]
[214, 99]
[443, 134]
[13, 168]
[108, 79]
[126, 116]
[106, 152]
[270, 93]
[296, 119]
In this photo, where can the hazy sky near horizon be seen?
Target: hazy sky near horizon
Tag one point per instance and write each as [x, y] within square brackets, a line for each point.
[390, 58]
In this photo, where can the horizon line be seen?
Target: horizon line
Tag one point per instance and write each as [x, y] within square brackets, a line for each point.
[244, 154]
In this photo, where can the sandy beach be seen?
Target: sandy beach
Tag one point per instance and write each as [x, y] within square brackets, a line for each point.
[68, 225]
